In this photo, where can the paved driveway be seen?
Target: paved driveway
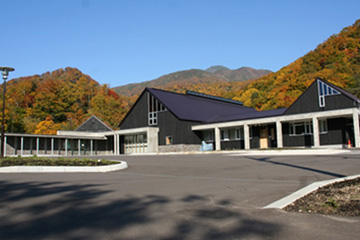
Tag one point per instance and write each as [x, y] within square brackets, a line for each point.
[215, 196]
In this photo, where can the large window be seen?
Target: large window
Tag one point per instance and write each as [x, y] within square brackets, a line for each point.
[300, 128]
[154, 106]
[135, 143]
[325, 90]
[208, 136]
[228, 134]
[323, 126]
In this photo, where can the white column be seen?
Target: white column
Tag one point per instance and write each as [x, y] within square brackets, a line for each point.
[114, 144]
[79, 147]
[356, 129]
[66, 146]
[118, 144]
[217, 139]
[246, 136]
[279, 136]
[91, 147]
[22, 146]
[37, 146]
[52, 146]
[153, 140]
[316, 132]
[5, 140]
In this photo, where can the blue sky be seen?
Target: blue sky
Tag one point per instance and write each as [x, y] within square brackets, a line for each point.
[125, 41]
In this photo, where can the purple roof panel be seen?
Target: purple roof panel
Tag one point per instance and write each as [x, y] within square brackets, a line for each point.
[249, 115]
[197, 108]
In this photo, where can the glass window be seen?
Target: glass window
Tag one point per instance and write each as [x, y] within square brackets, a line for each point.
[300, 128]
[323, 126]
[225, 134]
[169, 140]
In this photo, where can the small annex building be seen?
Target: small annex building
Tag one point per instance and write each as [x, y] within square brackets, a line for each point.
[162, 121]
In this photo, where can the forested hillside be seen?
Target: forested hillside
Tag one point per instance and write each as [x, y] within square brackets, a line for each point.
[62, 99]
[337, 60]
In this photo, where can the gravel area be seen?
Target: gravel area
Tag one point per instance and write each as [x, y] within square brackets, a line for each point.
[341, 198]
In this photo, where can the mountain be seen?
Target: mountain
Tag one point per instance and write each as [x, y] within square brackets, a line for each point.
[190, 79]
[238, 75]
[61, 99]
[336, 60]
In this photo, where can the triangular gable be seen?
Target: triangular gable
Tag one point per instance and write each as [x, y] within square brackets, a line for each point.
[321, 96]
[93, 124]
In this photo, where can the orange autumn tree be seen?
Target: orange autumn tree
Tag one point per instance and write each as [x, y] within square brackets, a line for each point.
[47, 126]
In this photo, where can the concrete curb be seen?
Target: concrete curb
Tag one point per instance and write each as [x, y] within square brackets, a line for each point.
[62, 169]
[281, 203]
[270, 152]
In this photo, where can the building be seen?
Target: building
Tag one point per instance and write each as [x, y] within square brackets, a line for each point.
[162, 121]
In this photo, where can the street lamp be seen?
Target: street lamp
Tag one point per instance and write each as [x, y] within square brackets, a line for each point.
[5, 73]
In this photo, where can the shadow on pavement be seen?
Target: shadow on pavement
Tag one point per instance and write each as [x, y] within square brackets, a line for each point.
[337, 175]
[57, 210]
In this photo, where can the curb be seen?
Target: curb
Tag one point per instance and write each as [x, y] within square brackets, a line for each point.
[281, 203]
[62, 169]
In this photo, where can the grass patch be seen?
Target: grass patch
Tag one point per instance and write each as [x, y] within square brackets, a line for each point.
[42, 161]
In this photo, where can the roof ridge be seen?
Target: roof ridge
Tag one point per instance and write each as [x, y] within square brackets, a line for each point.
[198, 94]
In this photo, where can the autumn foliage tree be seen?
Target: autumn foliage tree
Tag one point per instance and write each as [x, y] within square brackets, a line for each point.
[60, 100]
[337, 60]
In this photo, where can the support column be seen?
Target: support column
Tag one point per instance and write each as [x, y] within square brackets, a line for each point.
[79, 147]
[91, 147]
[5, 144]
[37, 146]
[52, 146]
[217, 139]
[356, 129]
[315, 126]
[246, 137]
[152, 140]
[114, 144]
[117, 144]
[66, 146]
[279, 136]
[22, 146]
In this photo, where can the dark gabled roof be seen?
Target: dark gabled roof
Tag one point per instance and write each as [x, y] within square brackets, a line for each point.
[248, 115]
[199, 108]
[342, 91]
[93, 124]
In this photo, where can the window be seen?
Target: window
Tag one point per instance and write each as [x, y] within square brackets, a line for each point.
[323, 126]
[154, 106]
[169, 140]
[232, 134]
[208, 136]
[300, 128]
[225, 135]
[325, 90]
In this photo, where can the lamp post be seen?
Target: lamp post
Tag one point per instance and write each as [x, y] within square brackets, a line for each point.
[5, 73]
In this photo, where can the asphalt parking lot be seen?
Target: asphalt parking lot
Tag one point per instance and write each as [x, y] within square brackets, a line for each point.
[214, 196]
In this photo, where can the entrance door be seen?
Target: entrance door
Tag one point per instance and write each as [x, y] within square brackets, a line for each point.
[264, 138]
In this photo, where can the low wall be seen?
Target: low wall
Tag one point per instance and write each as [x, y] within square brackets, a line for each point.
[180, 148]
